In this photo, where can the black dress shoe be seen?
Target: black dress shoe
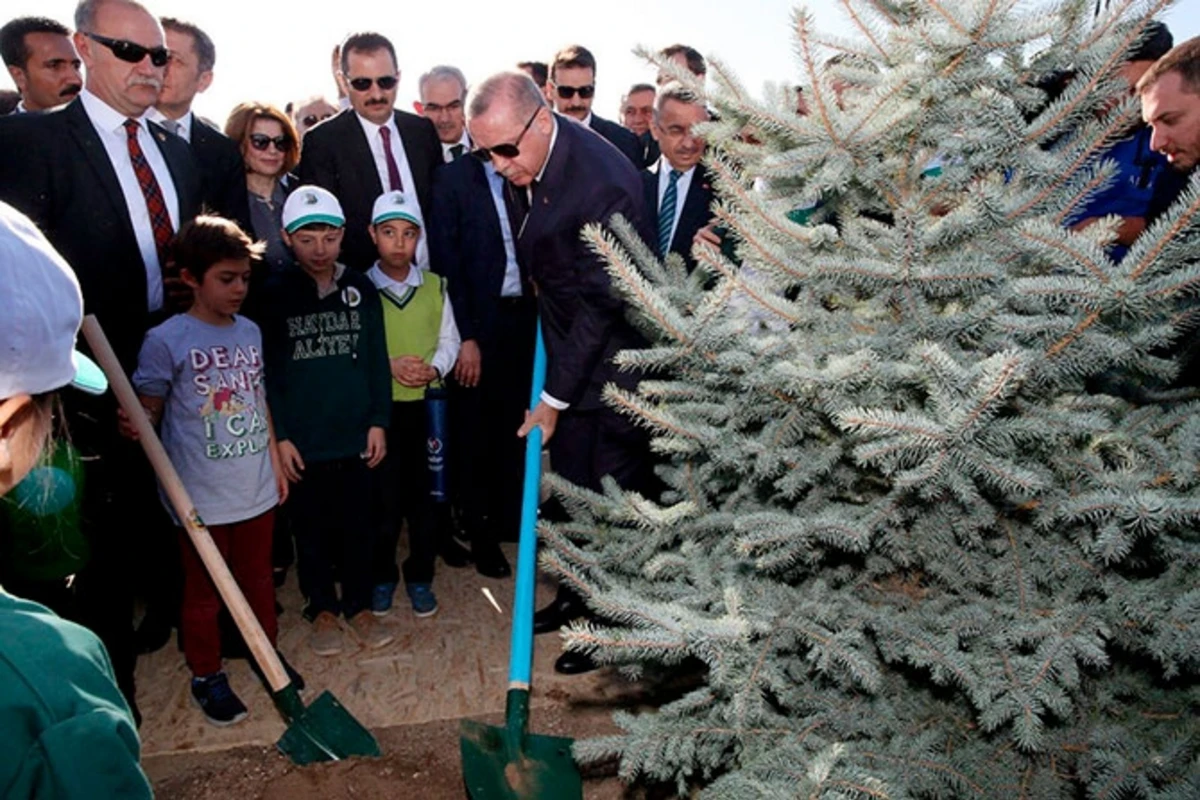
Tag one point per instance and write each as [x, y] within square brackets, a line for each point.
[295, 677]
[490, 561]
[454, 554]
[555, 615]
[572, 663]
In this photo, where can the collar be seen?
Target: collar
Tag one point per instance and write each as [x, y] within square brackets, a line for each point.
[550, 149]
[382, 280]
[664, 168]
[105, 116]
[21, 109]
[184, 122]
[371, 129]
[587, 121]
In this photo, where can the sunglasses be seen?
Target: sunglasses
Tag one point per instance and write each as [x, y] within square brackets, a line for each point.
[260, 141]
[567, 92]
[504, 150]
[313, 119]
[363, 84]
[132, 51]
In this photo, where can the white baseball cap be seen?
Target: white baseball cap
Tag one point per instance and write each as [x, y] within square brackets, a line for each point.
[395, 205]
[41, 308]
[312, 204]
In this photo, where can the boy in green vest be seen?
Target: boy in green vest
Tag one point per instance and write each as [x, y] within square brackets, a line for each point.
[422, 346]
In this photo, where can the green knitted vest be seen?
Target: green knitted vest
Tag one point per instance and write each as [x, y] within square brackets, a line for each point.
[412, 319]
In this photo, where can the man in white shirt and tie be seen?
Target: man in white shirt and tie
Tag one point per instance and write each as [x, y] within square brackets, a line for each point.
[443, 91]
[371, 147]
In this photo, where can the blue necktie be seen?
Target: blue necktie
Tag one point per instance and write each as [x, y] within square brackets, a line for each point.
[666, 214]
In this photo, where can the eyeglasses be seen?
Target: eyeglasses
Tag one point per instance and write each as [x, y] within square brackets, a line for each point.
[132, 51]
[567, 92]
[505, 150]
[312, 119]
[385, 82]
[260, 141]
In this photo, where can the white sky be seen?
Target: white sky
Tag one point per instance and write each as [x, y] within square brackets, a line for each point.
[275, 51]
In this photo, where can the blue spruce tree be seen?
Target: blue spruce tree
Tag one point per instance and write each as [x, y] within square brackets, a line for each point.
[915, 552]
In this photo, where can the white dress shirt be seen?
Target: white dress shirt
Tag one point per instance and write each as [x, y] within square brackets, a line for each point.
[181, 127]
[682, 184]
[110, 126]
[448, 338]
[465, 141]
[511, 286]
[375, 142]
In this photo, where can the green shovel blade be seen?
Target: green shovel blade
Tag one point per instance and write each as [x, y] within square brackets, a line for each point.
[497, 766]
[322, 731]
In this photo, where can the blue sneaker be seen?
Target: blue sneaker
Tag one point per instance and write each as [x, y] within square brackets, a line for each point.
[381, 599]
[216, 699]
[424, 602]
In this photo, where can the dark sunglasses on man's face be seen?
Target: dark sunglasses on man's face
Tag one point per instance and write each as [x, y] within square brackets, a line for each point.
[312, 119]
[567, 92]
[132, 51]
[260, 141]
[504, 150]
[363, 84]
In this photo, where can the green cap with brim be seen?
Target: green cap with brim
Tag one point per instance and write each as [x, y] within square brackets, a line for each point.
[312, 205]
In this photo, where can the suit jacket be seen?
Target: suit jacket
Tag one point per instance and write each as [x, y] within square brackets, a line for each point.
[583, 321]
[467, 246]
[650, 151]
[54, 168]
[694, 216]
[623, 139]
[336, 155]
[222, 173]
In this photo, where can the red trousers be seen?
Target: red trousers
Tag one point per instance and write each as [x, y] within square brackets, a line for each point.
[246, 548]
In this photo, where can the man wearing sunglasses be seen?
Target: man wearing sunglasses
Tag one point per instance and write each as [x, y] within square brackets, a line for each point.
[561, 178]
[109, 188]
[190, 72]
[371, 148]
[571, 90]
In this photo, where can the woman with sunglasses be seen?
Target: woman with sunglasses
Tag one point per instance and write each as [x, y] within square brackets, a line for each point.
[270, 149]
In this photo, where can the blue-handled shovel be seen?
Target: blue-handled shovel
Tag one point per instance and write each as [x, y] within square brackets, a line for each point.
[507, 763]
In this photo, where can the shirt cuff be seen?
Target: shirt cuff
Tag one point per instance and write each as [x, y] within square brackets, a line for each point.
[554, 402]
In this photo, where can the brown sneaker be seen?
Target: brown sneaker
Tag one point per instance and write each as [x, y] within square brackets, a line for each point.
[369, 630]
[325, 639]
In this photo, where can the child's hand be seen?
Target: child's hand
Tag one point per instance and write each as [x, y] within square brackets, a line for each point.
[376, 446]
[411, 371]
[125, 425]
[281, 481]
[290, 461]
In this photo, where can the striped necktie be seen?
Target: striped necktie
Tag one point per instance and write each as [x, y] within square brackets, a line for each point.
[156, 205]
[666, 214]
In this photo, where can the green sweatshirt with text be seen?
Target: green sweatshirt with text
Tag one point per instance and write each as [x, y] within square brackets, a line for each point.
[327, 372]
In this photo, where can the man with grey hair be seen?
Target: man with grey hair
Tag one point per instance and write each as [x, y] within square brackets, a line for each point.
[443, 91]
[109, 188]
[678, 190]
[562, 177]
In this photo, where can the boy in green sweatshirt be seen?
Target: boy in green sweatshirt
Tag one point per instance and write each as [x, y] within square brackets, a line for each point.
[329, 386]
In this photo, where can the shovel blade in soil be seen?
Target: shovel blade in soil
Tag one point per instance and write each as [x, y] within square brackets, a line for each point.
[323, 731]
[495, 767]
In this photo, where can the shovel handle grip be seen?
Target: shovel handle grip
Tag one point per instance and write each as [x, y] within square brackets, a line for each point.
[172, 486]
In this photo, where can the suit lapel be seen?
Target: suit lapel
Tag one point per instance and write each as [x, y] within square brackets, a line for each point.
[96, 157]
[695, 204]
[414, 155]
[176, 158]
[542, 205]
[359, 156]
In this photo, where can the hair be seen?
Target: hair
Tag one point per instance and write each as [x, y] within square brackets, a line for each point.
[442, 72]
[1155, 42]
[641, 87]
[1182, 58]
[208, 240]
[206, 51]
[677, 92]
[515, 87]
[573, 56]
[242, 118]
[538, 71]
[695, 61]
[85, 12]
[8, 101]
[12, 38]
[365, 42]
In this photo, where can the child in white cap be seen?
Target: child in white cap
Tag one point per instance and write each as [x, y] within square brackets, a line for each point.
[329, 384]
[67, 730]
[422, 346]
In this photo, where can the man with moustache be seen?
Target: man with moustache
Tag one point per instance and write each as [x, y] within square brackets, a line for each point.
[109, 188]
[678, 190]
[41, 61]
[562, 178]
[189, 73]
[371, 148]
[571, 90]
[443, 91]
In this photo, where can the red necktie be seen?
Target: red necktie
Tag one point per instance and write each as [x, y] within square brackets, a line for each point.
[160, 219]
[397, 185]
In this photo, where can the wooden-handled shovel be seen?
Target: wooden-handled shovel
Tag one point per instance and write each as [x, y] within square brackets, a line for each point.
[323, 731]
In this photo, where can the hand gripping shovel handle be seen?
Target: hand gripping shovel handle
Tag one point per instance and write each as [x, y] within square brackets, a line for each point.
[235, 601]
